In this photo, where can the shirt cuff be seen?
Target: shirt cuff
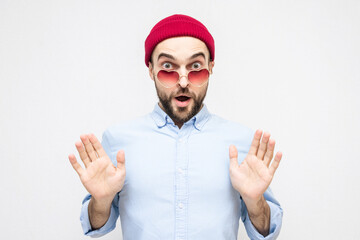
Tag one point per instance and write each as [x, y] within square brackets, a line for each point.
[276, 214]
[85, 222]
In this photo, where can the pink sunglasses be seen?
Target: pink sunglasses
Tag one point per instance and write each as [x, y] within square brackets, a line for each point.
[170, 78]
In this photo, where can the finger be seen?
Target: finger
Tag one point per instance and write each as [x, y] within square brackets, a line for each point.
[120, 158]
[275, 163]
[97, 145]
[75, 164]
[263, 145]
[233, 154]
[269, 152]
[89, 147]
[82, 153]
[255, 142]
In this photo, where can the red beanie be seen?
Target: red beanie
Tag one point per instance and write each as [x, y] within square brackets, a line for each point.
[175, 26]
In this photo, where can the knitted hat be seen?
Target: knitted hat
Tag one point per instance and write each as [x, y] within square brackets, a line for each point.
[175, 26]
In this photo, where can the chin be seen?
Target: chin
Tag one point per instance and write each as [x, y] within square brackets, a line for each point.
[182, 110]
[183, 113]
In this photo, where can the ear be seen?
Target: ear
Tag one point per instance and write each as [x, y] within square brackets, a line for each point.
[151, 71]
[211, 65]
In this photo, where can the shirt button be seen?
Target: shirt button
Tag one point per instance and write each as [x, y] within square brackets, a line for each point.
[181, 205]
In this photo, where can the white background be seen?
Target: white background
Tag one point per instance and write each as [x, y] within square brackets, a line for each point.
[288, 67]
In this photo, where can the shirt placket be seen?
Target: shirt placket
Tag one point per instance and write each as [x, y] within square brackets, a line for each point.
[181, 193]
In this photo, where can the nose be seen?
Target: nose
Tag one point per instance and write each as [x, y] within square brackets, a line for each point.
[183, 81]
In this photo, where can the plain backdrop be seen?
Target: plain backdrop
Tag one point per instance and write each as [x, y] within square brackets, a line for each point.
[291, 68]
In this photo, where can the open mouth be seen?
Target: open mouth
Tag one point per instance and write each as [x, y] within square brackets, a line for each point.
[182, 101]
[182, 98]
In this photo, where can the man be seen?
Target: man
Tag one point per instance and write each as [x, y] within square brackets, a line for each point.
[188, 174]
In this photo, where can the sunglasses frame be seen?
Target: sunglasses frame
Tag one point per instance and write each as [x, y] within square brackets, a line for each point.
[162, 84]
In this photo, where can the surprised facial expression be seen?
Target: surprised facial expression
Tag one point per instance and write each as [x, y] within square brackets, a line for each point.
[183, 99]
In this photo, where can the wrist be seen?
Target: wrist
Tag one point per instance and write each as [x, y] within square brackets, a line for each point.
[101, 204]
[256, 206]
[99, 211]
[103, 198]
[259, 214]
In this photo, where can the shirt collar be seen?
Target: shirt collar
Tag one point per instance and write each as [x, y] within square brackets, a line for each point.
[162, 119]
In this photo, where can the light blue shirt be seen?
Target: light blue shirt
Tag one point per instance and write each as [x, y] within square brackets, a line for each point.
[177, 183]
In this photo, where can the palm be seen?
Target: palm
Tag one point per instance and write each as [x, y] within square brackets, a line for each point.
[253, 176]
[100, 178]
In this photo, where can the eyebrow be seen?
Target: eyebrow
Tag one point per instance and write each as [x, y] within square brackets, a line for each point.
[197, 54]
[173, 58]
[166, 55]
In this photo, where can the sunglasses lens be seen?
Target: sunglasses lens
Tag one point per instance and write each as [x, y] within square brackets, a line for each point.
[168, 78]
[198, 77]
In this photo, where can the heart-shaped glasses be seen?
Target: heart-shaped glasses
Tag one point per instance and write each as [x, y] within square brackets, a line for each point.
[170, 78]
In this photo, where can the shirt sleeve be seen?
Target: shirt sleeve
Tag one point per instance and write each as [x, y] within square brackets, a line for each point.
[276, 214]
[109, 225]
[114, 211]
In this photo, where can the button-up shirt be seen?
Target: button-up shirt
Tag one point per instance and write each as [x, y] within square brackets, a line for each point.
[177, 183]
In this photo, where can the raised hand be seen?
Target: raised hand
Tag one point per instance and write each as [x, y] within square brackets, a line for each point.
[253, 176]
[100, 177]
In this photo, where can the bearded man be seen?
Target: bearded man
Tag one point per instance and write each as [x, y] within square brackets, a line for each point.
[188, 174]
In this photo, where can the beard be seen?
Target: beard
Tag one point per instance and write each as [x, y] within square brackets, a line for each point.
[181, 115]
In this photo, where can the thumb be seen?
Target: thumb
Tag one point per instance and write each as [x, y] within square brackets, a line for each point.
[233, 154]
[120, 158]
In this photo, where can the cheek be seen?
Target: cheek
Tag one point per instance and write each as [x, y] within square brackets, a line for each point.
[164, 92]
[200, 92]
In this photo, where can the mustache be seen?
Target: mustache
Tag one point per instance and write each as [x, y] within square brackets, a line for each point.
[184, 91]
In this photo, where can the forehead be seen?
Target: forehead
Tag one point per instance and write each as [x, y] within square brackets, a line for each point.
[181, 47]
